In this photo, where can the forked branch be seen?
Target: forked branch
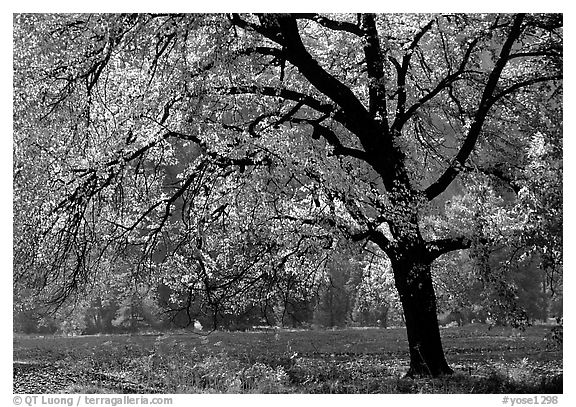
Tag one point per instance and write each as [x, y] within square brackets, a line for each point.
[469, 144]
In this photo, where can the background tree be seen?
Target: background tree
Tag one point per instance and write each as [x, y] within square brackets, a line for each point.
[225, 153]
[376, 301]
[338, 293]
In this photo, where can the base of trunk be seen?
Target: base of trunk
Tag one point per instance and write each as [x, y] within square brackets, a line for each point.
[414, 283]
[422, 369]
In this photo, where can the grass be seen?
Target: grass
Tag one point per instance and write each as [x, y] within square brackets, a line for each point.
[499, 360]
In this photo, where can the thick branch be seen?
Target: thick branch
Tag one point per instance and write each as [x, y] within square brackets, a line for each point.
[332, 139]
[375, 70]
[436, 248]
[484, 106]
[541, 53]
[283, 29]
[402, 70]
[379, 239]
[524, 84]
[331, 24]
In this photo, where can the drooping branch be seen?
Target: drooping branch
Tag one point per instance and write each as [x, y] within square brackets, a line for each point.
[96, 62]
[95, 181]
[307, 100]
[521, 85]
[236, 20]
[318, 131]
[221, 160]
[168, 204]
[469, 144]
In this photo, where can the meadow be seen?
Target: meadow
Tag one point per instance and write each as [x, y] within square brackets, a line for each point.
[371, 360]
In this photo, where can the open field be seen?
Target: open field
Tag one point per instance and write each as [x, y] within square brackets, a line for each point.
[499, 360]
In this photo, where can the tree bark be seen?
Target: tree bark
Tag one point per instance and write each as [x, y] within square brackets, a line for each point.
[413, 279]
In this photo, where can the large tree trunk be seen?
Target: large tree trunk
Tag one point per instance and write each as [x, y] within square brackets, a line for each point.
[413, 280]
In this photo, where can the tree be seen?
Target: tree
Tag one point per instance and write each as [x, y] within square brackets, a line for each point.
[376, 303]
[224, 153]
[515, 273]
[336, 297]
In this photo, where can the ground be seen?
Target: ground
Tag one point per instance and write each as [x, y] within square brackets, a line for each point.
[497, 360]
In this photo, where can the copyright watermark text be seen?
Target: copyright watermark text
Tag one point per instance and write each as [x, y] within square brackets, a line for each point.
[522, 401]
[90, 400]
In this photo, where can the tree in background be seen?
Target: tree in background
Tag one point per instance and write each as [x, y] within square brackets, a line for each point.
[513, 273]
[227, 154]
[376, 302]
[336, 298]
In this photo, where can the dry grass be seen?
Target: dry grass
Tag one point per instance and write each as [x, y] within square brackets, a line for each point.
[346, 361]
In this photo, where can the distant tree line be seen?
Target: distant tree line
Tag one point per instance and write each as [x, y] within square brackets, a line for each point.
[352, 293]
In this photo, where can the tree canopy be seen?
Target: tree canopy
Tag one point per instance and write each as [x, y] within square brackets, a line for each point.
[230, 156]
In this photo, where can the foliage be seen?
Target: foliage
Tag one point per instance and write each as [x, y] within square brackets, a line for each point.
[376, 302]
[225, 157]
[514, 267]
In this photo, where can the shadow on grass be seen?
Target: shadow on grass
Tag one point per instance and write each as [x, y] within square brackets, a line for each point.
[223, 374]
[308, 362]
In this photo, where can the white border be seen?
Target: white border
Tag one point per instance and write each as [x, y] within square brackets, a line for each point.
[300, 6]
